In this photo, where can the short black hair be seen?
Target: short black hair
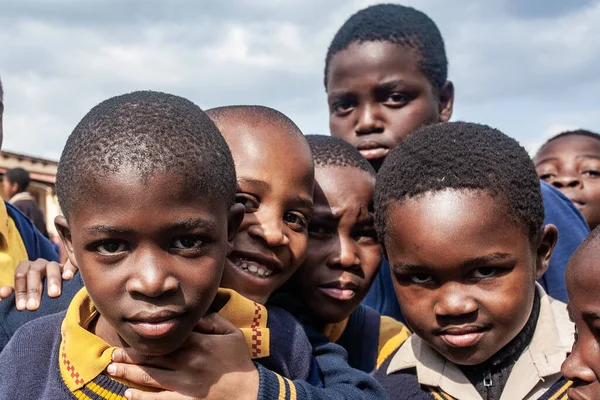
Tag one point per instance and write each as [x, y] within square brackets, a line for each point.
[330, 151]
[399, 25]
[461, 155]
[151, 132]
[253, 113]
[577, 132]
[20, 177]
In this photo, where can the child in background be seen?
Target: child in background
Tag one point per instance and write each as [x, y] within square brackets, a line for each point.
[570, 161]
[460, 213]
[344, 256]
[583, 278]
[386, 74]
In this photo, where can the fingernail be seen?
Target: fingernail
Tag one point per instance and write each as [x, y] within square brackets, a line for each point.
[111, 369]
[67, 275]
[53, 290]
[31, 303]
[21, 304]
[127, 394]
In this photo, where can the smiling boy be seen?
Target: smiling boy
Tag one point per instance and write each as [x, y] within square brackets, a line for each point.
[460, 213]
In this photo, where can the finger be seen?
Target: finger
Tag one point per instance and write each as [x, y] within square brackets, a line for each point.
[5, 291]
[69, 270]
[136, 394]
[215, 324]
[130, 356]
[54, 277]
[144, 376]
[21, 285]
[34, 289]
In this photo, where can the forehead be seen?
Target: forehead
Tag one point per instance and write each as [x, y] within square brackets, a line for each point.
[372, 62]
[571, 145]
[451, 226]
[339, 186]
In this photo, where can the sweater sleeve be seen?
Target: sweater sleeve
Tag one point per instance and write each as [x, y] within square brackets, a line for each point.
[340, 381]
[391, 336]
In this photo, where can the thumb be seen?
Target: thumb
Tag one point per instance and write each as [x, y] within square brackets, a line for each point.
[215, 324]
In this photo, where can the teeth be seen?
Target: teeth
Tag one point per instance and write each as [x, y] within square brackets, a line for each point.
[252, 269]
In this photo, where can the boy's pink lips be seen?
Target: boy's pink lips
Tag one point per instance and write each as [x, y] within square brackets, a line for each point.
[371, 149]
[462, 336]
[340, 290]
[153, 325]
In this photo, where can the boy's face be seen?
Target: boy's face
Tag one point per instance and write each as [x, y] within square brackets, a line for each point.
[343, 252]
[151, 255]
[9, 188]
[275, 184]
[378, 95]
[464, 273]
[583, 364]
[572, 165]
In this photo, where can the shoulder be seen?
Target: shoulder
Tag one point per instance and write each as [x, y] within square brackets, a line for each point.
[400, 384]
[39, 332]
[36, 244]
[560, 210]
[392, 334]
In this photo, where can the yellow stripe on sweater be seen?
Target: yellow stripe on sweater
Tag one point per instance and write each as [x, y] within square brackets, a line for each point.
[105, 393]
[561, 392]
[281, 387]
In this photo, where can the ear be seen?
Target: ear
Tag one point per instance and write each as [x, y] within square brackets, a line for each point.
[446, 99]
[547, 241]
[64, 231]
[235, 218]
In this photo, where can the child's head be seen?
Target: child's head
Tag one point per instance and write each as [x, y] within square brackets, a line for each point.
[146, 183]
[583, 278]
[385, 76]
[16, 180]
[570, 161]
[460, 214]
[343, 254]
[275, 184]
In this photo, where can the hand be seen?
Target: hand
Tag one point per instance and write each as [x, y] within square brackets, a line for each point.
[214, 363]
[29, 278]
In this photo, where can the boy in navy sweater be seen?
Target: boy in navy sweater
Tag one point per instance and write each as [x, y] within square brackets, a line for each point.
[460, 213]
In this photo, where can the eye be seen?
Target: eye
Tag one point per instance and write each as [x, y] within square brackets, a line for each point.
[319, 232]
[591, 174]
[296, 221]
[397, 99]
[187, 243]
[545, 176]
[485, 272]
[421, 279]
[366, 236]
[249, 202]
[111, 247]
[343, 107]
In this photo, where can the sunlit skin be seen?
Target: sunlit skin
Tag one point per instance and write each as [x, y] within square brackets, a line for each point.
[572, 165]
[463, 271]
[151, 275]
[378, 95]
[583, 364]
[275, 184]
[343, 255]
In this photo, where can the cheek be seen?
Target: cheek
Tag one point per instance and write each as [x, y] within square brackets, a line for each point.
[340, 127]
[371, 262]
[297, 248]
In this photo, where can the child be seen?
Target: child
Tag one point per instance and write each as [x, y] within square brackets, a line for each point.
[344, 256]
[460, 213]
[386, 74]
[570, 161]
[21, 240]
[583, 364]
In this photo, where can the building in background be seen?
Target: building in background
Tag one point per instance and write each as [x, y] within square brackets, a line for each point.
[43, 176]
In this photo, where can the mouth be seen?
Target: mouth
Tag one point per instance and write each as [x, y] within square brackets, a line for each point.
[255, 265]
[340, 290]
[574, 394]
[372, 150]
[155, 325]
[462, 336]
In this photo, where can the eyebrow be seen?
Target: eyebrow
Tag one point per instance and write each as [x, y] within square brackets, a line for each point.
[302, 202]
[591, 315]
[254, 182]
[383, 85]
[183, 225]
[594, 156]
[493, 257]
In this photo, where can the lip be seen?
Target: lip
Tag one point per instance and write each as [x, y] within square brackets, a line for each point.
[462, 336]
[257, 260]
[156, 324]
[340, 290]
[372, 150]
[574, 394]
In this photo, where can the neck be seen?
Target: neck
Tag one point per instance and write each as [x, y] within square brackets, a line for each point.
[101, 328]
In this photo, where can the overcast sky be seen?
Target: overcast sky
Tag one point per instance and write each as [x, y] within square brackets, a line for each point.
[528, 67]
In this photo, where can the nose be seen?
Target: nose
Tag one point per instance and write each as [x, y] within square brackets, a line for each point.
[369, 121]
[269, 228]
[566, 181]
[454, 301]
[152, 277]
[575, 368]
[346, 255]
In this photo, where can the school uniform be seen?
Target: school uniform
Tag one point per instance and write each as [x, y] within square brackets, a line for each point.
[56, 357]
[368, 337]
[19, 241]
[527, 368]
